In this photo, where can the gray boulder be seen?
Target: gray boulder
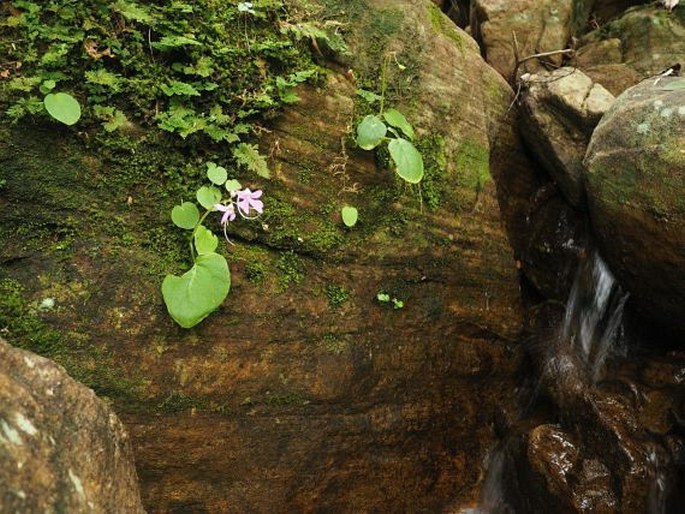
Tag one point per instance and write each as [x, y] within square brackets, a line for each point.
[560, 109]
[636, 186]
[61, 448]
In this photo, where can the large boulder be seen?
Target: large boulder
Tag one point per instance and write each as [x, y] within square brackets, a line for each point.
[61, 448]
[302, 392]
[539, 26]
[636, 180]
[559, 111]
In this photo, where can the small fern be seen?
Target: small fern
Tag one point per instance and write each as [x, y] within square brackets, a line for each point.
[248, 155]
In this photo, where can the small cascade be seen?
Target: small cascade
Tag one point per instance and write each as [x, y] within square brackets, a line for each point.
[592, 322]
[591, 331]
[658, 490]
[493, 495]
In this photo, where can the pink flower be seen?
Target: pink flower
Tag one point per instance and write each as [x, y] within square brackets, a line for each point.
[248, 199]
[228, 210]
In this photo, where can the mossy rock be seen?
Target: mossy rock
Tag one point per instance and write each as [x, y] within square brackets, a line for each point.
[277, 400]
[643, 41]
[636, 186]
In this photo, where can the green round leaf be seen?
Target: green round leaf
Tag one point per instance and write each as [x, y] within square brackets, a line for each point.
[185, 215]
[407, 159]
[370, 132]
[396, 119]
[193, 296]
[205, 241]
[233, 185]
[63, 107]
[216, 174]
[207, 196]
[382, 297]
[349, 215]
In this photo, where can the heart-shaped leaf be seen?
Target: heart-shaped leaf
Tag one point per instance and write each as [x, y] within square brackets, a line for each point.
[63, 107]
[193, 296]
[349, 215]
[207, 196]
[370, 132]
[407, 159]
[396, 119]
[185, 215]
[233, 185]
[217, 174]
[205, 241]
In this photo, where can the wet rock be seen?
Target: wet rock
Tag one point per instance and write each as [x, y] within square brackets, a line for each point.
[557, 238]
[593, 491]
[61, 448]
[560, 111]
[636, 179]
[552, 455]
[540, 26]
[603, 458]
[643, 42]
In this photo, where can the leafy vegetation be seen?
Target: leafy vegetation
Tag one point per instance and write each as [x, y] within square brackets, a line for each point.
[180, 66]
[63, 107]
[193, 296]
[336, 295]
[207, 73]
[385, 298]
[373, 129]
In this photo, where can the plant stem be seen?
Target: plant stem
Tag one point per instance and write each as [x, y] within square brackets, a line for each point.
[384, 80]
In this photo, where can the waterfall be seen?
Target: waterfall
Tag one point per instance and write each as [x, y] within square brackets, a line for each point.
[592, 321]
[573, 359]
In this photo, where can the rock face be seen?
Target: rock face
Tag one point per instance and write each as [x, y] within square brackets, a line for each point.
[560, 111]
[61, 448]
[303, 392]
[636, 175]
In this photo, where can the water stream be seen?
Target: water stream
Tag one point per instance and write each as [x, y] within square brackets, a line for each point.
[590, 332]
[592, 322]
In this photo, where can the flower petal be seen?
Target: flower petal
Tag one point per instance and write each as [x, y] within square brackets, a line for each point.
[257, 205]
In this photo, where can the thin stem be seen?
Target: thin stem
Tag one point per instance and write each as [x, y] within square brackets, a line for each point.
[384, 80]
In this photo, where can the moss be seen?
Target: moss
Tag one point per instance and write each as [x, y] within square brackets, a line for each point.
[292, 270]
[298, 229]
[336, 343]
[442, 25]
[255, 272]
[259, 62]
[284, 399]
[433, 185]
[22, 325]
[473, 164]
[178, 402]
[336, 295]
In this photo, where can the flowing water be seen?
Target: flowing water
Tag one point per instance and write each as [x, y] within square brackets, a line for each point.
[594, 312]
[590, 332]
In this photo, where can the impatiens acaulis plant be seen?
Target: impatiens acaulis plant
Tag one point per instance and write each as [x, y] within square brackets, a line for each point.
[197, 293]
[390, 126]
